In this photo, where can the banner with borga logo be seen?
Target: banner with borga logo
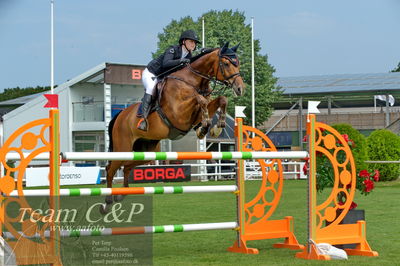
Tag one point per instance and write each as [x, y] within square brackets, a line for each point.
[87, 236]
[160, 173]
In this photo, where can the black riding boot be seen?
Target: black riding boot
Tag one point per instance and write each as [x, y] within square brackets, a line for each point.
[146, 104]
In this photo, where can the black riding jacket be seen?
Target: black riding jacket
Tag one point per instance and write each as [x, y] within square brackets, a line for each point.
[170, 58]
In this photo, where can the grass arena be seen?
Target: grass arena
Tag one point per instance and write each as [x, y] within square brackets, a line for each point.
[274, 216]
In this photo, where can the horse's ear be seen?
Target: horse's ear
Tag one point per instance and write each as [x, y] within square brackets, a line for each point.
[223, 49]
[234, 48]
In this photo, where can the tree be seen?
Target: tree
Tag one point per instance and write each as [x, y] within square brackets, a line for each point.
[12, 93]
[396, 69]
[222, 26]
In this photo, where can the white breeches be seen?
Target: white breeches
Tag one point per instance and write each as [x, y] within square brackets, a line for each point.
[148, 82]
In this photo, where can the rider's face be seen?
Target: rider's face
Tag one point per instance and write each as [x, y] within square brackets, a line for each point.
[190, 45]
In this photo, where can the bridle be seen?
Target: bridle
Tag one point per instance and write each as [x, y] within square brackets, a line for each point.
[232, 58]
[225, 82]
[221, 68]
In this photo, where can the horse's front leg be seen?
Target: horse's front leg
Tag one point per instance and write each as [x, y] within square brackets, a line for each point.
[220, 103]
[127, 172]
[111, 169]
[205, 118]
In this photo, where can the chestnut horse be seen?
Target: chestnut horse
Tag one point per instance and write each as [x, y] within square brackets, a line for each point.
[184, 102]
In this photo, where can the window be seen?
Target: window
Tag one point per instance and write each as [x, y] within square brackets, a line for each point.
[87, 99]
[89, 141]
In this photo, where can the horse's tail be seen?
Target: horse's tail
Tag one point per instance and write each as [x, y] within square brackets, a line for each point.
[110, 128]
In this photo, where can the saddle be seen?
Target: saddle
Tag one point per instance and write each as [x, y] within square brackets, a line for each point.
[174, 133]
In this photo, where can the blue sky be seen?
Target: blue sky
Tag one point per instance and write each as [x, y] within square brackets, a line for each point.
[300, 37]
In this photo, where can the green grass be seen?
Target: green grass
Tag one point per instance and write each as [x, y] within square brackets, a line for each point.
[209, 247]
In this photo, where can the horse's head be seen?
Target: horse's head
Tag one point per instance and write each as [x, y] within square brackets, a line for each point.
[228, 69]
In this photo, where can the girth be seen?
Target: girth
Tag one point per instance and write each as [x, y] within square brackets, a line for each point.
[174, 133]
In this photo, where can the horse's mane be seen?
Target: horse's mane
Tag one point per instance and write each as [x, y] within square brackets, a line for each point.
[202, 53]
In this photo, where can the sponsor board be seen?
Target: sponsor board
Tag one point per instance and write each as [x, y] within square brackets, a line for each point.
[160, 173]
[39, 176]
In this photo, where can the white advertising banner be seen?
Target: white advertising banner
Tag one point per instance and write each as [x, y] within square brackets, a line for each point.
[39, 176]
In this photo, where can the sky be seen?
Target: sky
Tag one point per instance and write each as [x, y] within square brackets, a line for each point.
[301, 38]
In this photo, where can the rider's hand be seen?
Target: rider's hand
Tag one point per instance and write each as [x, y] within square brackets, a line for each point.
[185, 60]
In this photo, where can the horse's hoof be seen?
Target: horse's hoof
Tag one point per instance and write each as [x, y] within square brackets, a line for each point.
[215, 131]
[104, 208]
[201, 133]
[221, 124]
[109, 199]
[119, 198]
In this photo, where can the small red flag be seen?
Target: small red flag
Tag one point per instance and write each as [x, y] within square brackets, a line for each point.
[52, 100]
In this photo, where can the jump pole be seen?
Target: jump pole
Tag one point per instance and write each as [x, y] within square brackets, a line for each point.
[135, 230]
[143, 156]
[150, 156]
[76, 192]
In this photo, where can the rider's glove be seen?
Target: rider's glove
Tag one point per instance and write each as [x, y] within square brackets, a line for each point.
[185, 60]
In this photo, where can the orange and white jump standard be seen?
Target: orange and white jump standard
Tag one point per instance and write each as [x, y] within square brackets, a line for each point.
[324, 219]
[254, 216]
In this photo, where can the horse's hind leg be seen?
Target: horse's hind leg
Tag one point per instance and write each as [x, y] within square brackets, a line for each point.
[111, 169]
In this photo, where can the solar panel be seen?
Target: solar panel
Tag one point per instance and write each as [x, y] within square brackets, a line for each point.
[340, 83]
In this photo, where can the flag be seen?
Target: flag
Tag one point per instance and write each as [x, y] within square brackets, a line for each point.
[313, 107]
[383, 99]
[239, 111]
[52, 100]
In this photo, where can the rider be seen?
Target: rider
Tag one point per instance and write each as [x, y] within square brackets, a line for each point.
[173, 56]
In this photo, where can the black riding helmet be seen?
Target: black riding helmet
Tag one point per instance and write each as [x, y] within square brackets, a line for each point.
[188, 34]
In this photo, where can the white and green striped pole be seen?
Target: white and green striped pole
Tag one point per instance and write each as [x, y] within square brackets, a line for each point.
[76, 192]
[176, 228]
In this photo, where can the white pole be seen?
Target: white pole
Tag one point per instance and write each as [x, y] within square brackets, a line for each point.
[253, 116]
[52, 49]
[150, 156]
[203, 35]
[203, 142]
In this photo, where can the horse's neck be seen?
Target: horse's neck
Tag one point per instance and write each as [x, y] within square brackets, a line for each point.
[182, 99]
[206, 64]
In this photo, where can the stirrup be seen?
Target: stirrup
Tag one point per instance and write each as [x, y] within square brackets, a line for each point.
[142, 124]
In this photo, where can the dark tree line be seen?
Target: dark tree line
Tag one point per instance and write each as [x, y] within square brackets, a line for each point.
[12, 93]
[397, 69]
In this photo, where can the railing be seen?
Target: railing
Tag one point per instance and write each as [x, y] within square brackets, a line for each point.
[291, 170]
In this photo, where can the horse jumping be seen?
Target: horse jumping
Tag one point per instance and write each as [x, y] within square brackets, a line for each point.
[184, 102]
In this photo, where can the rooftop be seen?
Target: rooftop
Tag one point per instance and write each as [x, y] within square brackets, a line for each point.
[379, 83]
